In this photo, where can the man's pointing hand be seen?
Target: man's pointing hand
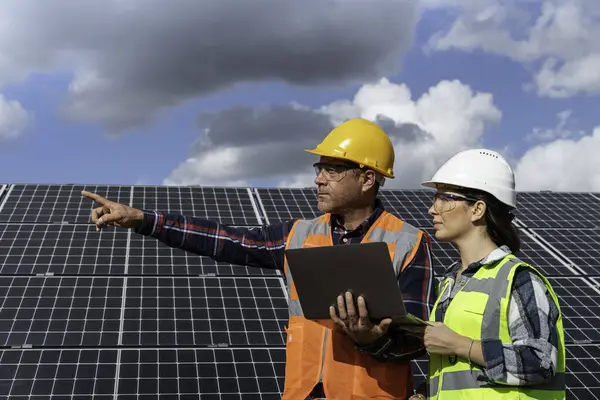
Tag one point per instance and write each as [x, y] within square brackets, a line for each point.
[112, 213]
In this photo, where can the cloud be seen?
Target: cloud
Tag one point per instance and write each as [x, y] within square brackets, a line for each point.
[131, 59]
[557, 39]
[242, 145]
[14, 119]
[560, 131]
[562, 165]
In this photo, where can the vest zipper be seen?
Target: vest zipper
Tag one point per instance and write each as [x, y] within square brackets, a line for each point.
[323, 356]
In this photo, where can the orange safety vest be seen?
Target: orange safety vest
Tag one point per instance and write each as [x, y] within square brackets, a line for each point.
[315, 353]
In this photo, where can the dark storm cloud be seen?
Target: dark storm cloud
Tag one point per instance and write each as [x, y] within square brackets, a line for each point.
[271, 140]
[135, 57]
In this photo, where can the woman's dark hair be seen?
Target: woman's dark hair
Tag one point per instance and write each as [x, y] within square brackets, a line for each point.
[498, 219]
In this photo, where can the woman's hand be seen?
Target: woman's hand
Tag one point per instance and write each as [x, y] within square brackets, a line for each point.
[439, 339]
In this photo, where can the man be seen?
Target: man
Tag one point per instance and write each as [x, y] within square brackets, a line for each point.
[357, 359]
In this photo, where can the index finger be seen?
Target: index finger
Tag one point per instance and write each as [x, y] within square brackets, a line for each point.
[93, 196]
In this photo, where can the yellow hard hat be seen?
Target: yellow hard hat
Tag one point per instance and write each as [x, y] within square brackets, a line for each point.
[362, 142]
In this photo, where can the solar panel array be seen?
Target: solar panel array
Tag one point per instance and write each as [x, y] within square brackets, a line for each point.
[117, 314]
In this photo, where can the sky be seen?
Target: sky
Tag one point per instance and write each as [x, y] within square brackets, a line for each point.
[230, 92]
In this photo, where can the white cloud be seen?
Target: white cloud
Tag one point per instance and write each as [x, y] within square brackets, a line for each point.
[560, 131]
[133, 59]
[13, 118]
[558, 38]
[562, 165]
[242, 145]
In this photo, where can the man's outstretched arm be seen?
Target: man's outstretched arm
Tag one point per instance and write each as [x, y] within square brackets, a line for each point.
[257, 247]
[417, 285]
[261, 247]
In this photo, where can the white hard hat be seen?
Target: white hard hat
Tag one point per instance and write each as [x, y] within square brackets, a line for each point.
[479, 169]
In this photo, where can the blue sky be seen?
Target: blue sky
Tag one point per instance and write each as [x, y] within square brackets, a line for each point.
[52, 149]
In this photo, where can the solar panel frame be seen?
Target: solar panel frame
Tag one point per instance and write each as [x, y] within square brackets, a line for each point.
[217, 204]
[31, 203]
[580, 248]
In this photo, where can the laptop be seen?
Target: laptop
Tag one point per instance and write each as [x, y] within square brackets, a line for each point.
[321, 274]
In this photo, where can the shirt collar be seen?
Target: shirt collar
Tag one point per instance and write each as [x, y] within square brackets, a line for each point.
[495, 256]
[337, 223]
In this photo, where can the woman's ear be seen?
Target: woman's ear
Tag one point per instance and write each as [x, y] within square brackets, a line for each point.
[478, 211]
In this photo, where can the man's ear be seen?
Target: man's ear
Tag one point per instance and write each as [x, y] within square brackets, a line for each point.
[369, 180]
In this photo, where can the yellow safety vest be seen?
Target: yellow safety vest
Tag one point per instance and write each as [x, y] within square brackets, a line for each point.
[480, 311]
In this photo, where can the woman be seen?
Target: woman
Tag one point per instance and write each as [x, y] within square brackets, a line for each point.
[496, 328]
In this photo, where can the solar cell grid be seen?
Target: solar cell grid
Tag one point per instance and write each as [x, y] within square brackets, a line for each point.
[580, 246]
[148, 256]
[284, 204]
[411, 206]
[232, 206]
[204, 311]
[38, 374]
[202, 373]
[60, 311]
[61, 249]
[558, 210]
[583, 377]
[56, 203]
[580, 305]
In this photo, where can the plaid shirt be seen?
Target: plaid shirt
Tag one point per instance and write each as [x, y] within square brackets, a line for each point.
[265, 247]
[531, 357]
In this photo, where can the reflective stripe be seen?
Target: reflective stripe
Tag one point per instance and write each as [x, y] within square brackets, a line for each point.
[490, 326]
[475, 379]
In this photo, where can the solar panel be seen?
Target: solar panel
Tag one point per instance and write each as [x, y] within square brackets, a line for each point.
[583, 371]
[61, 249]
[204, 311]
[60, 311]
[580, 246]
[445, 254]
[232, 206]
[148, 256]
[583, 379]
[252, 373]
[38, 374]
[123, 314]
[580, 305]
[411, 206]
[56, 203]
[558, 210]
[283, 204]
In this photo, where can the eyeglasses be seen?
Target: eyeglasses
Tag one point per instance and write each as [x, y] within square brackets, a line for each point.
[443, 202]
[333, 172]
